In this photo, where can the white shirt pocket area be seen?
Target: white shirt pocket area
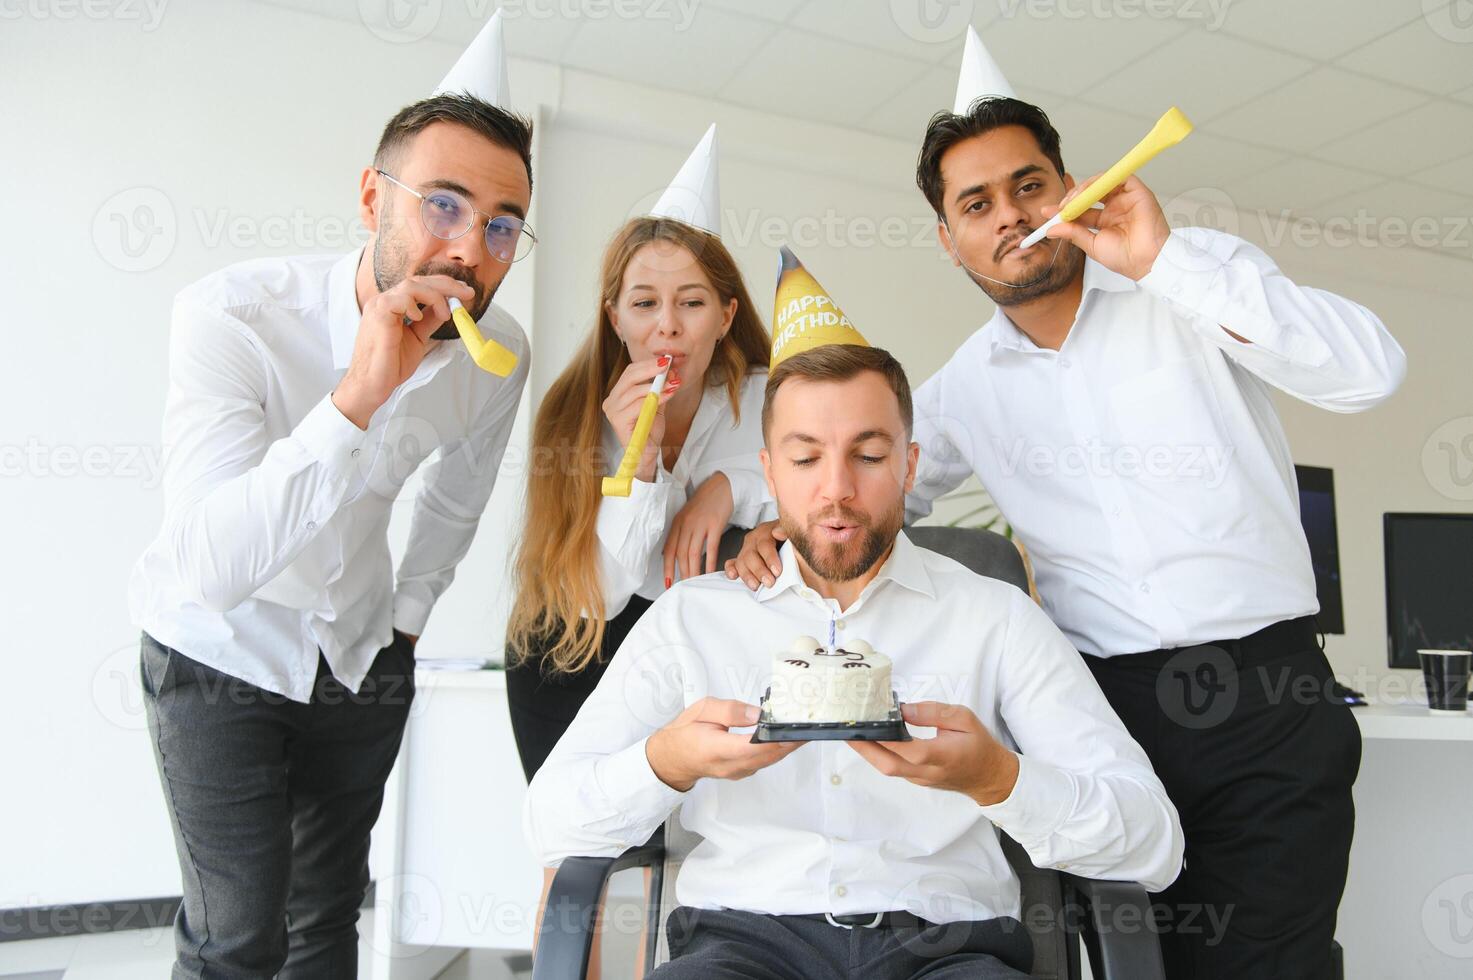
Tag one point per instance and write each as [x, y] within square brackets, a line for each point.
[1169, 442]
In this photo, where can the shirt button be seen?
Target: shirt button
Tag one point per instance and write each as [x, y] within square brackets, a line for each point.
[311, 525]
[1063, 362]
[841, 891]
[1145, 587]
[836, 779]
[839, 624]
[355, 453]
[1115, 512]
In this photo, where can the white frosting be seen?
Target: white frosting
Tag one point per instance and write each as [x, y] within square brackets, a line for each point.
[811, 685]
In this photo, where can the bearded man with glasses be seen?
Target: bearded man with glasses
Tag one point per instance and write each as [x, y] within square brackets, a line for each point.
[277, 657]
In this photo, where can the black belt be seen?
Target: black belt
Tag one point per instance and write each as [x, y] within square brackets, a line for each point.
[871, 920]
[1267, 644]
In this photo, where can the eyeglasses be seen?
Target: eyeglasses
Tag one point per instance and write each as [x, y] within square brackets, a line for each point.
[449, 215]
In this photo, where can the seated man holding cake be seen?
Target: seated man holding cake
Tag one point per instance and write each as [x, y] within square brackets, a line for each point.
[835, 857]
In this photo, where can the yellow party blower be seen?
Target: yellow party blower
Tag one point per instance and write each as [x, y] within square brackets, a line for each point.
[488, 354]
[1169, 130]
[622, 482]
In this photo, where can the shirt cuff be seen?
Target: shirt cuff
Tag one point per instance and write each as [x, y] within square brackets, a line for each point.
[330, 437]
[1188, 276]
[646, 504]
[1184, 274]
[411, 614]
[1041, 800]
[627, 780]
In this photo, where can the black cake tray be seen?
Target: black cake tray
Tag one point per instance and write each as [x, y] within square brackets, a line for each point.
[892, 729]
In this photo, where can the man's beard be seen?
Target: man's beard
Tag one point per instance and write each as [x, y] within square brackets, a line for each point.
[1060, 271]
[390, 262]
[846, 561]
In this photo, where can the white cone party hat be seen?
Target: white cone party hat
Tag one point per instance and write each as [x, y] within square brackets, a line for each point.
[481, 69]
[694, 196]
[980, 77]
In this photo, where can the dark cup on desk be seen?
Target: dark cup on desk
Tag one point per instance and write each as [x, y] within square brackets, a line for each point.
[1446, 674]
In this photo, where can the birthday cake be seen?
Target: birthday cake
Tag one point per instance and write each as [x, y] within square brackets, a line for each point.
[813, 683]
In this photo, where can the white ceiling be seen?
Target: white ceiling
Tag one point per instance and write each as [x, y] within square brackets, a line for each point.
[1327, 108]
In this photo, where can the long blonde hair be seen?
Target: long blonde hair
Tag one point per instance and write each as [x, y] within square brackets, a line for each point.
[556, 572]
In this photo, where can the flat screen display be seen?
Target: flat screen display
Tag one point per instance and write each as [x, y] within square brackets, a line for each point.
[1429, 584]
[1317, 514]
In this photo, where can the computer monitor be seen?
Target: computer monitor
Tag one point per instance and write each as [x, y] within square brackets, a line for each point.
[1317, 515]
[1429, 584]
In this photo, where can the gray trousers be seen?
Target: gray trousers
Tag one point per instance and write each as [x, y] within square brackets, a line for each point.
[710, 944]
[271, 802]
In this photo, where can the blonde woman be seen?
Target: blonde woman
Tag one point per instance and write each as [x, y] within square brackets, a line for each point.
[589, 565]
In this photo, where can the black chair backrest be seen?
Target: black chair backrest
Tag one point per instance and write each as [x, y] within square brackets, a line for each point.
[985, 552]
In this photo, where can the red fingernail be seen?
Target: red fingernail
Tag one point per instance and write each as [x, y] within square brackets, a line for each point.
[664, 360]
[667, 581]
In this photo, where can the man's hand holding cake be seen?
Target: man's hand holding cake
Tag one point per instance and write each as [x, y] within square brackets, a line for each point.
[699, 743]
[963, 757]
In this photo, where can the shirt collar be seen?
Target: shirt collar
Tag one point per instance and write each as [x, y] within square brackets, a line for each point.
[904, 567]
[343, 313]
[1007, 336]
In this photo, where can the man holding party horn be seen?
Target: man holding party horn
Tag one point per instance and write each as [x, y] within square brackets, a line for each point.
[1117, 408]
[278, 648]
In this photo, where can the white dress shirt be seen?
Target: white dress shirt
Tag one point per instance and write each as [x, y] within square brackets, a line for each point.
[632, 529]
[822, 830]
[1143, 463]
[276, 507]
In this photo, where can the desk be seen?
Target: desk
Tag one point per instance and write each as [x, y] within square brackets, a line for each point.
[1408, 905]
[450, 866]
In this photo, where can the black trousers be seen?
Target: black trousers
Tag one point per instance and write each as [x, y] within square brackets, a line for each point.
[724, 944]
[1259, 762]
[543, 704]
[271, 803]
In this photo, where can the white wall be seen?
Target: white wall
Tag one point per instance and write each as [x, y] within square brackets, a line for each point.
[253, 113]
